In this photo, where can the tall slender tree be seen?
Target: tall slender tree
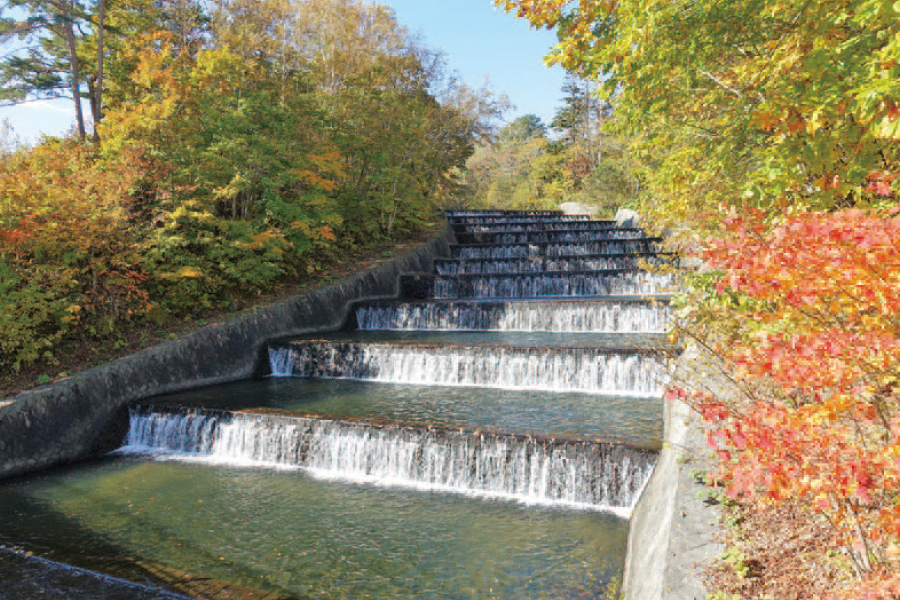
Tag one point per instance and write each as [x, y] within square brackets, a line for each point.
[48, 65]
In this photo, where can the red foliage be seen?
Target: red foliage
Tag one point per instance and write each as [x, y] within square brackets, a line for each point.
[821, 331]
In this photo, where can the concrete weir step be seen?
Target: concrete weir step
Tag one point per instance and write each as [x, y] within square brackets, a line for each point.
[502, 221]
[573, 316]
[523, 225]
[550, 284]
[587, 473]
[544, 236]
[584, 262]
[631, 246]
[478, 214]
[621, 371]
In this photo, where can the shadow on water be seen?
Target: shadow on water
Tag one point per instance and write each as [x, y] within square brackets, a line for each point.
[48, 528]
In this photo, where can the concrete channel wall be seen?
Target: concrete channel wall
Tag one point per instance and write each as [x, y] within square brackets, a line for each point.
[84, 415]
[673, 535]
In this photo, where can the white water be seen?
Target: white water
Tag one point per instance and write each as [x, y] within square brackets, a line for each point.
[512, 226]
[499, 217]
[567, 317]
[544, 369]
[540, 264]
[475, 251]
[553, 286]
[586, 475]
[543, 237]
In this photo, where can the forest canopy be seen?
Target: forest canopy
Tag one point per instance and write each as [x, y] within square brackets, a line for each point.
[234, 144]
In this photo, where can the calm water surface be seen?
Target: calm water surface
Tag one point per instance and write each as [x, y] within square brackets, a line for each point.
[287, 532]
[571, 416]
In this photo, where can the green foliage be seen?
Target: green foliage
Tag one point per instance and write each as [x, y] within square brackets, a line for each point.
[737, 561]
[33, 318]
[523, 128]
[198, 260]
[776, 104]
[522, 169]
[237, 148]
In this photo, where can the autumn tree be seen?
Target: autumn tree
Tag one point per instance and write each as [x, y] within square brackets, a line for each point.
[400, 121]
[774, 104]
[240, 143]
[66, 49]
[519, 169]
[524, 168]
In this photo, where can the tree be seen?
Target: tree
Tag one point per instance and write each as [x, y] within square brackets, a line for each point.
[9, 141]
[579, 119]
[67, 46]
[771, 103]
[523, 128]
[186, 21]
[239, 146]
[50, 64]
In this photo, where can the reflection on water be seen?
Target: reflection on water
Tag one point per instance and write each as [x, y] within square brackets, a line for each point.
[285, 532]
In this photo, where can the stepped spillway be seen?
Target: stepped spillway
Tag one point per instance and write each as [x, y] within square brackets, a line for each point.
[580, 474]
[535, 264]
[544, 388]
[488, 215]
[553, 236]
[524, 226]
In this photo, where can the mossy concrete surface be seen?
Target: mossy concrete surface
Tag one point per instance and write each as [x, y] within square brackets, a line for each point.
[84, 415]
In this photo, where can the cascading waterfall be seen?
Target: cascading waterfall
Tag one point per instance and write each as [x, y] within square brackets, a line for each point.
[586, 370]
[621, 283]
[583, 474]
[486, 251]
[281, 362]
[548, 237]
[483, 216]
[537, 264]
[527, 226]
[488, 267]
[538, 271]
[567, 317]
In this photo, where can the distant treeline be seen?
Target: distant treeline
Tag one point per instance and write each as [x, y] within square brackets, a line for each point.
[577, 160]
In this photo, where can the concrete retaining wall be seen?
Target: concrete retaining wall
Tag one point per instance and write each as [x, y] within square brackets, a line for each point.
[83, 415]
[673, 535]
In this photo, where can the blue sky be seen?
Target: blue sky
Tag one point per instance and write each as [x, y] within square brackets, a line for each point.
[479, 40]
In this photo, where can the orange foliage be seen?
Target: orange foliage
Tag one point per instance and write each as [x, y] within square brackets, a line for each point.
[821, 327]
[64, 226]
